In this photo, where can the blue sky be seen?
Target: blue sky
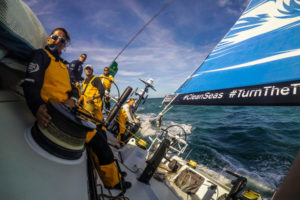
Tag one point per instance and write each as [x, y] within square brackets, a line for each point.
[168, 50]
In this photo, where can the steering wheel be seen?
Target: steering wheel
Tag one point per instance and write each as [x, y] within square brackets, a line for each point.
[115, 86]
[179, 133]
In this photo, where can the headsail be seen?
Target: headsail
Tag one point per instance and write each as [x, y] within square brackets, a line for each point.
[256, 63]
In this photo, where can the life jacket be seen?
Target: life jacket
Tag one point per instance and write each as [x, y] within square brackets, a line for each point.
[90, 91]
[90, 135]
[56, 85]
[106, 80]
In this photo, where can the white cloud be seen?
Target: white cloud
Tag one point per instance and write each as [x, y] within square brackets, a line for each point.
[41, 9]
[137, 10]
[233, 11]
[158, 52]
[102, 18]
[160, 60]
[231, 8]
[31, 3]
[128, 73]
[154, 52]
[224, 3]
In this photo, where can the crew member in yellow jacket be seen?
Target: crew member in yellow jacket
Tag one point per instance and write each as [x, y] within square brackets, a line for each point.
[124, 118]
[47, 77]
[92, 94]
[107, 80]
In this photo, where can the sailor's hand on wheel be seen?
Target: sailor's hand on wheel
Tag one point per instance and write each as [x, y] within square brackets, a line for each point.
[42, 116]
[80, 99]
[77, 84]
[89, 99]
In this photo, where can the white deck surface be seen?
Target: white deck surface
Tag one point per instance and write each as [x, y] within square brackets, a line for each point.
[25, 174]
[28, 175]
[133, 164]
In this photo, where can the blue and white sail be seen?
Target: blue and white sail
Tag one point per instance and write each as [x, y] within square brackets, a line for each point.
[256, 63]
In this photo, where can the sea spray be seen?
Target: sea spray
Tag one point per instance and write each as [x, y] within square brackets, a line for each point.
[259, 142]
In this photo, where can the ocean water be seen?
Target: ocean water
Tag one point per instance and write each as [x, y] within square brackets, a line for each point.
[259, 143]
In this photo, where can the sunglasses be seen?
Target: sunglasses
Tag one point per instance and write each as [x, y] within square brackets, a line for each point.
[55, 37]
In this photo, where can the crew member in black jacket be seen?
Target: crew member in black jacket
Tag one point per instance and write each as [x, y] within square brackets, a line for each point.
[76, 69]
[47, 77]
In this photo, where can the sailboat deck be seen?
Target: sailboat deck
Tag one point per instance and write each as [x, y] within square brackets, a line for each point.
[26, 173]
[133, 163]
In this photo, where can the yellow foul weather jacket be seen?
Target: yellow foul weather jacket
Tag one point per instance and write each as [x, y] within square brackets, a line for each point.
[90, 90]
[56, 85]
[124, 116]
[106, 80]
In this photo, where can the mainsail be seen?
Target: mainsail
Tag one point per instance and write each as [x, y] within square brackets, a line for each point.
[256, 63]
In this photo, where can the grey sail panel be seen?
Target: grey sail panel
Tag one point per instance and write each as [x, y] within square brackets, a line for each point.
[20, 30]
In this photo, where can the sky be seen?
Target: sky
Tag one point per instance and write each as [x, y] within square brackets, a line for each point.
[173, 45]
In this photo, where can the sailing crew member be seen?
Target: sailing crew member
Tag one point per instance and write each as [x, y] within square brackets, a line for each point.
[47, 77]
[76, 69]
[126, 119]
[92, 94]
[107, 80]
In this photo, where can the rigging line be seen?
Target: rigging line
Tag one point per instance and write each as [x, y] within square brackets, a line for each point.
[166, 108]
[133, 38]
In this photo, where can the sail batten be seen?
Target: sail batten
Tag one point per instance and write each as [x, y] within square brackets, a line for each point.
[261, 50]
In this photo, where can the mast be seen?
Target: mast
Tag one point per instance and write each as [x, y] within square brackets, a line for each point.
[148, 84]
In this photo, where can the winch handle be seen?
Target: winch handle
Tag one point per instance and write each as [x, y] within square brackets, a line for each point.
[233, 174]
